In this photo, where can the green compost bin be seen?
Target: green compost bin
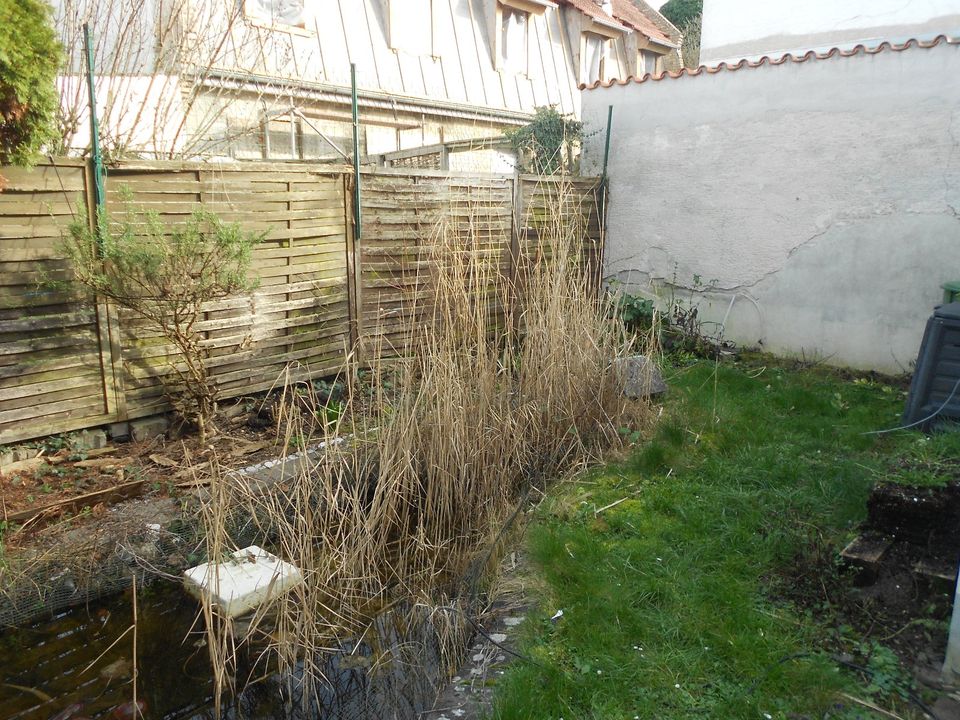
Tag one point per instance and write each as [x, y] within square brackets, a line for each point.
[951, 291]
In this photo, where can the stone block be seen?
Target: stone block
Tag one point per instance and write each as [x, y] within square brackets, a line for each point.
[25, 466]
[118, 431]
[148, 428]
[946, 708]
[11, 455]
[90, 440]
[235, 410]
[641, 377]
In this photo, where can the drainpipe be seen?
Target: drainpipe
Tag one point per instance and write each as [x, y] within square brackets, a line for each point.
[606, 147]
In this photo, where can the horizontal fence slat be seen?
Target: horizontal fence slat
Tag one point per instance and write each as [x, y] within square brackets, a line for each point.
[57, 362]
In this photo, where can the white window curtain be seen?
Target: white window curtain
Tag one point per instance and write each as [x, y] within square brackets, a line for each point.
[594, 48]
[278, 12]
[514, 40]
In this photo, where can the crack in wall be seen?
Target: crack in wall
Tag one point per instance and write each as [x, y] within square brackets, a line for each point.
[714, 285]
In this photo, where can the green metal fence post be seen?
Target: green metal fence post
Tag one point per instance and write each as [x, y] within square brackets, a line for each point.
[356, 152]
[606, 147]
[96, 157]
[604, 193]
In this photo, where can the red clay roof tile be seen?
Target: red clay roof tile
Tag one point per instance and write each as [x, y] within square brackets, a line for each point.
[767, 60]
[592, 9]
[629, 14]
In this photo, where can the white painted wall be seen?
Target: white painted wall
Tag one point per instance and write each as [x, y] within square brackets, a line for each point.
[823, 198]
[737, 29]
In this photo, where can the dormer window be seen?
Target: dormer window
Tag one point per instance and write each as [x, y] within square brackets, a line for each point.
[593, 56]
[513, 39]
[647, 62]
[510, 23]
[276, 13]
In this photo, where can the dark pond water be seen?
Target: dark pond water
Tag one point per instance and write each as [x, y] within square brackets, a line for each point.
[73, 666]
[46, 668]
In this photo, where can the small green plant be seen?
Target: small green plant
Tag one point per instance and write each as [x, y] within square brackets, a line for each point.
[636, 311]
[686, 335]
[165, 274]
[297, 441]
[886, 677]
[630, 435]
[546, 145]
[329, 391]
[43, 471]
[56, 443]
[582, 666]
[838, 403]
[330, 413]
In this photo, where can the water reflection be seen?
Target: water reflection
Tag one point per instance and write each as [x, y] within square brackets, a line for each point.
[79, 666]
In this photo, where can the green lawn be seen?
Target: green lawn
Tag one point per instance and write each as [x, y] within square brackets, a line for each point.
[672, 598]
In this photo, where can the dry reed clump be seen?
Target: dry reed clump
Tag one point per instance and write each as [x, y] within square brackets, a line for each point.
[567, 377]
[491, 397]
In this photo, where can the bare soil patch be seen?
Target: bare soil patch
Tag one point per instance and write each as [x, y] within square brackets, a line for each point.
[901, 595]
[62, 484]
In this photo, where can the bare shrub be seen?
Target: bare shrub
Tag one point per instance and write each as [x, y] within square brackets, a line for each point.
[171, 72]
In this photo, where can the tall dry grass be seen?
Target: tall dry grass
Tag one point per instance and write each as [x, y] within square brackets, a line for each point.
[494, 396]
[567, 377]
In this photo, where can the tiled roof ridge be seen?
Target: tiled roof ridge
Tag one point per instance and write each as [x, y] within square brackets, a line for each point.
[660, 20]
[630, 14]
[592, 8]
[859, 49]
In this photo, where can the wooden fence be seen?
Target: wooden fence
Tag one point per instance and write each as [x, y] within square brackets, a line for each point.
[70, 361]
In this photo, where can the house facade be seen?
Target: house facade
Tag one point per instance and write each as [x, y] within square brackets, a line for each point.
[255, 79]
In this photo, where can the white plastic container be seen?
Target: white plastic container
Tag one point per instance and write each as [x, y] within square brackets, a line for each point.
[248, 580]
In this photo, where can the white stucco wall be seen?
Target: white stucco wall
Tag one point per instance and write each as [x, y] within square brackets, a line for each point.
[822, 198]
[736, 29]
